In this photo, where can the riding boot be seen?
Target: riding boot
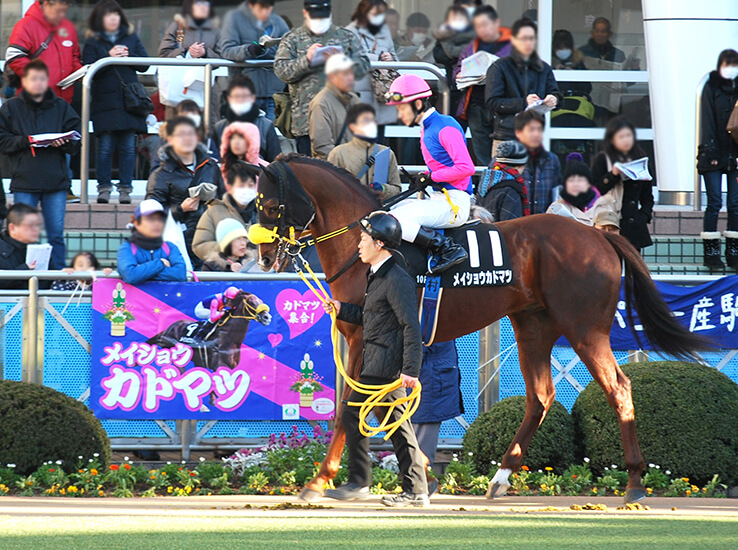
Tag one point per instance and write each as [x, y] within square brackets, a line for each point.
[203, 332]
[731, 249]
[711, 244]
[447, 252]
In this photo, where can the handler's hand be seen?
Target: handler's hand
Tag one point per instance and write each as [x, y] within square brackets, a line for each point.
[330, 305]
[408, 381]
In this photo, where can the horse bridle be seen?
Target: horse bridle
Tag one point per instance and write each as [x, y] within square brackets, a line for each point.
[252, 312]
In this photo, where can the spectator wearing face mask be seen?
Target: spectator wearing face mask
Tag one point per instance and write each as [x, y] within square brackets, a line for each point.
[243, 27]
[455, 34]
[242, 107]
[495, 40]
[297, 64]
[576, 108]
[416, 44]
[470, 6]
[238, 202]
[579, 200]
[359, 156]
[328, 123]
[369, 25]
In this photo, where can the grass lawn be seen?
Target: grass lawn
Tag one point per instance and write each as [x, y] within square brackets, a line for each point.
[305, 533]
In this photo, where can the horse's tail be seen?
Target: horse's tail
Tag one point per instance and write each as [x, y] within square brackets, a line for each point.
[659, 324]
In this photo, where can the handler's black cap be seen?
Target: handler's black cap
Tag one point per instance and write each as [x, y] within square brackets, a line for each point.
[318, 9]
[383, 227]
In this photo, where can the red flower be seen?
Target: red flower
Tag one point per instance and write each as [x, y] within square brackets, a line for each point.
[114, 467]
[127, 466]
[52, 469]
[193, 474]
[525, 468]
[574, 476]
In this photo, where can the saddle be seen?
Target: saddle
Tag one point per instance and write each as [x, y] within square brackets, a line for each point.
[488, 264]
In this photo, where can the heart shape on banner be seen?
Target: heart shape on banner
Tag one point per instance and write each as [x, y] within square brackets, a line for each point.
[300, 311]
[274, 339]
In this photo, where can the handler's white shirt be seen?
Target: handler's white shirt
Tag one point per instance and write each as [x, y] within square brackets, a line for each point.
[376, 267]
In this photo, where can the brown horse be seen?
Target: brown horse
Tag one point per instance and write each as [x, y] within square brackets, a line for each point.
[567, 282]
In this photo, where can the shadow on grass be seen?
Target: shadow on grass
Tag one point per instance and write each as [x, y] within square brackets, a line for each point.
[307, 533]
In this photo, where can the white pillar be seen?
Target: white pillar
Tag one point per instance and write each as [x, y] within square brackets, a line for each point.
[683, 41]
[25, 4]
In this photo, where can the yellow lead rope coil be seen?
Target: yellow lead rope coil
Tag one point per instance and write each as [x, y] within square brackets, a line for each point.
[376, 393]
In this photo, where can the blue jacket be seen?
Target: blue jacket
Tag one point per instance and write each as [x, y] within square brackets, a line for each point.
[146, 265]
[107, 109]
[441, 379]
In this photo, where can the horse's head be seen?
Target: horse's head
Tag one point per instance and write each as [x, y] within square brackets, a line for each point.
[285, 210]
[249, 306]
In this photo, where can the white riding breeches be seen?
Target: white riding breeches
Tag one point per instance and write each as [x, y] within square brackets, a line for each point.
[435, 213]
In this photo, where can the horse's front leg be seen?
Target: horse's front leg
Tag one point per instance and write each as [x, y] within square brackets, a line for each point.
[329, 467]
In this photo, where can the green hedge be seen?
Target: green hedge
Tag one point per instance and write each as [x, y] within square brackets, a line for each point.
[686, 417]
[38, 424]
[492, 432]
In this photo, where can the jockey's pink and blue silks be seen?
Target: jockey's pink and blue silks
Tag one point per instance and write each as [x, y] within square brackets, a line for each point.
[444, 149]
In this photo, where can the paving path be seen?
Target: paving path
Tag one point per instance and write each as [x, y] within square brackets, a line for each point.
[247, 506]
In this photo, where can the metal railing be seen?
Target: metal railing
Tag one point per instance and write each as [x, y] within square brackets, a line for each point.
[697, 200]
[208, 64]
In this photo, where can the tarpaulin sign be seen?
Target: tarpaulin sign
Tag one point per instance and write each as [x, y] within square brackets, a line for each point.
[252, 350]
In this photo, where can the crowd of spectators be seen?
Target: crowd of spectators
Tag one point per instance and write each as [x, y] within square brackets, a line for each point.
[205, 177]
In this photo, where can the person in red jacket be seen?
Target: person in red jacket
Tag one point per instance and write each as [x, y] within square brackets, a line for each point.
[45, 23]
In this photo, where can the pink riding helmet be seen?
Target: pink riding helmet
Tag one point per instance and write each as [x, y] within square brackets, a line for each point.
[407, 88]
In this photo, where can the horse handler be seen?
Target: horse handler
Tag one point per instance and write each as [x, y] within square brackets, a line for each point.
[392, 348]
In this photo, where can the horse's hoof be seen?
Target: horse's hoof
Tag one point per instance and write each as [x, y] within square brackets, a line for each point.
[634, 495]
[496, 490]
[309, 495]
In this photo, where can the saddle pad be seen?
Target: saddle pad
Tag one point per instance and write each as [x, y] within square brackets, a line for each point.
[488, 263]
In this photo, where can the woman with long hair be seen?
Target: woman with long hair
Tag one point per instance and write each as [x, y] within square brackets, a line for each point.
[110, 35]
[717, 155]
[635, 196]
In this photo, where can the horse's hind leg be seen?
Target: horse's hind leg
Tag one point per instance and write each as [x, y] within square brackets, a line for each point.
[597, 355]
[536, 335]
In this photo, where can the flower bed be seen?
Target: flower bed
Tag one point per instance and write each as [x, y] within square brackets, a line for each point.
[288, 461]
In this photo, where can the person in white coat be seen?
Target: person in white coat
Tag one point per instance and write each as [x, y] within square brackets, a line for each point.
[369, 25]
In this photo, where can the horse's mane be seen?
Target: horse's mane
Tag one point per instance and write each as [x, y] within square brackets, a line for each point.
[344, 175]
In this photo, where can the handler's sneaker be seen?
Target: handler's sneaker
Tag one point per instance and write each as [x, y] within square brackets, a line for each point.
[405, 499]
[348, 491]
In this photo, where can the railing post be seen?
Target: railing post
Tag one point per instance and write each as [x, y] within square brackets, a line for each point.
[30, 329]
[84, 154]
[697, 200]
[207, 98]
[489, 347]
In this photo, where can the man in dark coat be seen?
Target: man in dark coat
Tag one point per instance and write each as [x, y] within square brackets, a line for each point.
[39, 174]
[517, 81]
[599, 45]
[185, 164]
[24, 228]
[242, 107]
[392, 349]
[115, 128]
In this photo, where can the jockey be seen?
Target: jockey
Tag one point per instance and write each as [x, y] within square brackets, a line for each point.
[212, 308]
[444, 149]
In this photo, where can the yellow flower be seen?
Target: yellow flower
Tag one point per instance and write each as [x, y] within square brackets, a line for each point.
[548, 469]
[704, 489]
[689, 493]
[685, 479]
[617, 492]
[101, 493]
[169, 489]
[63, 492]
[695, 489]
[82, 491]
[649, 491]
[93, 472]
[594, 490]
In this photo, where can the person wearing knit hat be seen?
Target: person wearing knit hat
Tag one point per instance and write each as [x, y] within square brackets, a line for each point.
[233, 247]
[579, 199]
[502, 190]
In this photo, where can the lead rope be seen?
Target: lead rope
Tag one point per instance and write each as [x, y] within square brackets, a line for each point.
[376, 393]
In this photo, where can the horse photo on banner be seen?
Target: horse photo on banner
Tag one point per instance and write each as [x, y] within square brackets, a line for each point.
[247, 350]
